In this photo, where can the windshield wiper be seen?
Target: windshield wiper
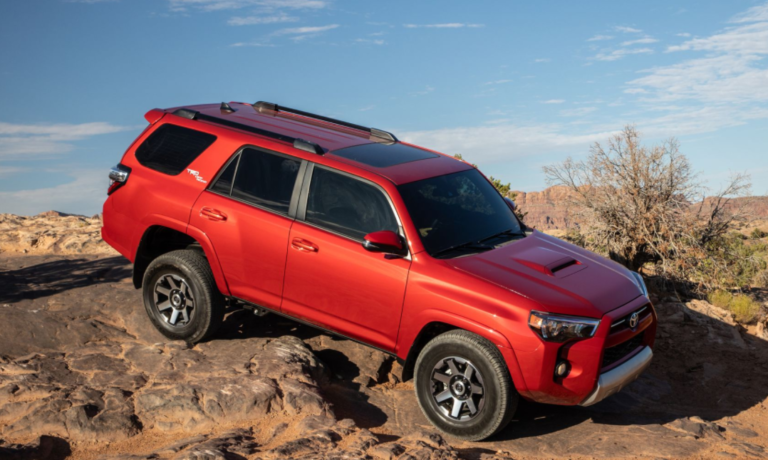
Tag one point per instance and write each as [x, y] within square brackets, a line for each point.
[509, 232]
[467, 245]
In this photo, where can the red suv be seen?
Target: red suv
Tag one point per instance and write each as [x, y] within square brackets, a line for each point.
[395, 246]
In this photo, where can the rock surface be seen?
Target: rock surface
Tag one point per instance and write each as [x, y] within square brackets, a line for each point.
[52, 233]
[84, 375]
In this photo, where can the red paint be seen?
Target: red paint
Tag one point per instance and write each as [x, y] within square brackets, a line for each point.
[384, 300]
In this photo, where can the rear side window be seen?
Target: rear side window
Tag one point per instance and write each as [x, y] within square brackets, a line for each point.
[347, 206]
[170, 149]
[265, 179]
[223, 184]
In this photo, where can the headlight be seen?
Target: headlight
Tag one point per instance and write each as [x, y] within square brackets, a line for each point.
[640, 283]
[556, 328]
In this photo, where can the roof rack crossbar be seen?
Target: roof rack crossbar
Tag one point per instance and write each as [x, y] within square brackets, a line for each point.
[300, 144]
[268, 106]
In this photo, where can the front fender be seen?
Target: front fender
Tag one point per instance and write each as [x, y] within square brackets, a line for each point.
[424, 318]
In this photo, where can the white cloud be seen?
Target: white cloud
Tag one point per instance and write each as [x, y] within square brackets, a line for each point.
[543, 60]
[83, 195]
[579, 112]
[255, 20]
[267, 5]
[449, 25]
[373, 42]
[306, 30]
[732, 72]
[620, 53]
[502, 141]
[627, 30]
[683, 34]
[640, 41]
[29, 139]
[746, 39]
[554, 101]
[497, 82]
[428, 89]
[754, 14]
[598, 38]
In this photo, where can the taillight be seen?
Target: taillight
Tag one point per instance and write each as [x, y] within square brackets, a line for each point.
[118, 176]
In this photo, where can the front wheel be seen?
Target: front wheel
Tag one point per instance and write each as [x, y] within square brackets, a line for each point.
[181, 297]
[463, 386]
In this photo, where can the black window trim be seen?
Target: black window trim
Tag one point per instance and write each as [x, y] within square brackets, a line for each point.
[301, 214]
[297, 186]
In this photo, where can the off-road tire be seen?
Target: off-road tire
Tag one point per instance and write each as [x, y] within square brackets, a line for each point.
[193, 268]
[501, 398]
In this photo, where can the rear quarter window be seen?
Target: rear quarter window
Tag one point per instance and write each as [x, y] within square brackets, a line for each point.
[170, 149]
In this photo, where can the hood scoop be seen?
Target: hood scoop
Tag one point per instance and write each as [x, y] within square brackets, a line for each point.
[549, 262]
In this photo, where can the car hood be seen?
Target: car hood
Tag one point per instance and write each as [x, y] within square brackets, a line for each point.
[561, 277]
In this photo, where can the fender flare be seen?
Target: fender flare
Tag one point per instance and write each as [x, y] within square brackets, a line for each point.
[429, 316]
[213, 259]
[205, 244]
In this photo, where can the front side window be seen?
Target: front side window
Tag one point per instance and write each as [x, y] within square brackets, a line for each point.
[458, 210]
[261, 178]
[348, 206]
[170, 149]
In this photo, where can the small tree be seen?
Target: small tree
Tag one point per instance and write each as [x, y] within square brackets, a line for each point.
[643, 205]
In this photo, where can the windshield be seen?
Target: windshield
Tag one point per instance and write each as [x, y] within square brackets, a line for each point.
[457, 209]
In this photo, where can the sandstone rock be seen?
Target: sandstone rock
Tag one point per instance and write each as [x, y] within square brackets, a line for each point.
[697, 427]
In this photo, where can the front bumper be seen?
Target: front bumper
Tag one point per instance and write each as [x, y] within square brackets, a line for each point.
[614, 380]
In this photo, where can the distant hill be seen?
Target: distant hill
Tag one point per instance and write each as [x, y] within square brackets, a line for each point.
[550, 209]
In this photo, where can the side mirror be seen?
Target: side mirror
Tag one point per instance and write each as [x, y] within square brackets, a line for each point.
[385, 241]
[510, 203]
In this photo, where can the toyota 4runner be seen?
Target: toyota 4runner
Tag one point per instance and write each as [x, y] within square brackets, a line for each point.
[407, 250]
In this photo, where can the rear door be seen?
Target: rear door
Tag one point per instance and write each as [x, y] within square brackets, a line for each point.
[331, 280]
[247, 213]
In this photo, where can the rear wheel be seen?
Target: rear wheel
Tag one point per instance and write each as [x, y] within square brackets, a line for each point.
[181, 297]
[463, 386]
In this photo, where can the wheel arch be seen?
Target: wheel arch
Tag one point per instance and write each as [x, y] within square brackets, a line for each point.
[440, 322]
[160, 239]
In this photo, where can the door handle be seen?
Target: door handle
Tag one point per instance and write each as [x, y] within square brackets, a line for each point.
[213, 214]
[303, 245]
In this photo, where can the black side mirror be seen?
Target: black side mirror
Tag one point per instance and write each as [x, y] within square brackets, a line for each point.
[510, 203]
[385, 241]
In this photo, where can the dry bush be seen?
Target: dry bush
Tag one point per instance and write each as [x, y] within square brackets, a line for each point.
[644, 206]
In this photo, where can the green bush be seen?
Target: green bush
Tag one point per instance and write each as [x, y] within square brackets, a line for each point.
[744, 308]
[758, 234]
[720, 298]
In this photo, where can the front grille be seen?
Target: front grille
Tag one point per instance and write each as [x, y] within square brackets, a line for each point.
[618, 352]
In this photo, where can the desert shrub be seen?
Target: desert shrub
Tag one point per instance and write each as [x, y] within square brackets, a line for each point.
[744, 308]
[720, 298]
[758, 234]
[644, 205]
[761, 279]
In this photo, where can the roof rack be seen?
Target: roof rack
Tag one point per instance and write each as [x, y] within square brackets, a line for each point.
[262, 107]
[300, 144]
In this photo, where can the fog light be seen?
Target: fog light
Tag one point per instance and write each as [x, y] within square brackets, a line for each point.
[561, 369]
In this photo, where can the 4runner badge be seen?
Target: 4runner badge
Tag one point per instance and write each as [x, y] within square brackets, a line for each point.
[197, 176]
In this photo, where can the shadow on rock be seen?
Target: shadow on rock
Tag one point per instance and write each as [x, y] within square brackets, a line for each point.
[53, 275]
[46, 448]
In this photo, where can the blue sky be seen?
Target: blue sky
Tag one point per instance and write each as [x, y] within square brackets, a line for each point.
[511, 85]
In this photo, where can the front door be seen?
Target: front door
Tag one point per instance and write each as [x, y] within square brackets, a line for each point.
[330, 279]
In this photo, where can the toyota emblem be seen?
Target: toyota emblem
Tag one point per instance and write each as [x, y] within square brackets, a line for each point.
[634, 319]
